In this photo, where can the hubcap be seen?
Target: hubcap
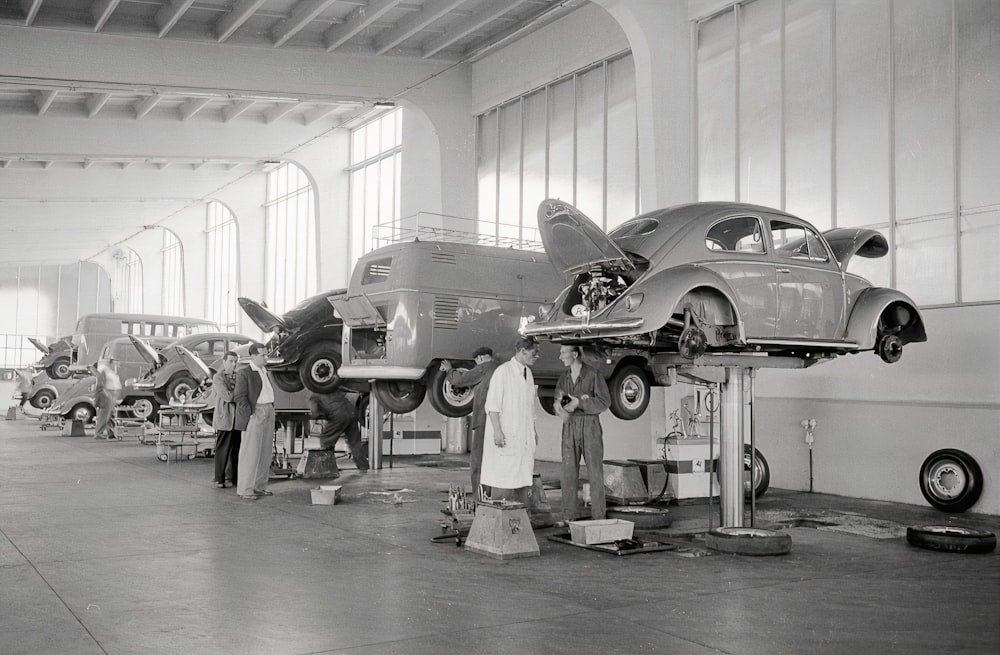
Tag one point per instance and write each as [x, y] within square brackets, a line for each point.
[323, 370]
[633, 392]
[142, 408]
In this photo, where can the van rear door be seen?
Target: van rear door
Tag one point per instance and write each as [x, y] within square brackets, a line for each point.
[357, 311]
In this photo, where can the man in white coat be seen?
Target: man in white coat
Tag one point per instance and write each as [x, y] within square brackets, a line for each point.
[510, 439]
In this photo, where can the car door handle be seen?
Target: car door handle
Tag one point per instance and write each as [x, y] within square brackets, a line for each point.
[784, 270]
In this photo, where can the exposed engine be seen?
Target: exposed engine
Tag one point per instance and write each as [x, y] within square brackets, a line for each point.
[597, 288]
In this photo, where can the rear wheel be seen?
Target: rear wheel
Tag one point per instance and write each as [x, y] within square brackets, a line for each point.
[629, 389]
[757, 467]
[82, 412]
[59, 369]
[318, 368]
[287, 381]
[445, 397]
[43, 399]
[399, 396]
[182, 384]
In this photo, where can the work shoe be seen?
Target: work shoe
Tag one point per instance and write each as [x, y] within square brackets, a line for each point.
[250, 497]
[263, 493]
[220, 485]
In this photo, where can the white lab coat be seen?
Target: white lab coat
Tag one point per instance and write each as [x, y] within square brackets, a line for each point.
[512, 394]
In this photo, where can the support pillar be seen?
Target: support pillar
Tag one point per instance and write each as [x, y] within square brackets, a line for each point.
[732, 426]
[374, 433]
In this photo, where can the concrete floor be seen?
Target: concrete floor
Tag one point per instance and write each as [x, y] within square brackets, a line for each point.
[105, 549]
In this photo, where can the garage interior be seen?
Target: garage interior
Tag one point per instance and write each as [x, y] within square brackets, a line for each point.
[167, 157]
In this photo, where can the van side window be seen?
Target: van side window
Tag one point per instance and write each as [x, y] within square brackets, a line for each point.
[377, 271]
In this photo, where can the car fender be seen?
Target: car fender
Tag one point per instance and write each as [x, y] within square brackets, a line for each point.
[664, 290]
[862, 326]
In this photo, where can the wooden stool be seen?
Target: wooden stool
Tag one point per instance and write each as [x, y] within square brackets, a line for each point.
[502, 531]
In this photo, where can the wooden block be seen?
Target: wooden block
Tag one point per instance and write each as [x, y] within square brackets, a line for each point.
[318, 464]
[73, 428]
[623, 482]
[502, 532]
[12, 413]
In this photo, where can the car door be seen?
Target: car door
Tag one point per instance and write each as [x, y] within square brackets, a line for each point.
[810, 283]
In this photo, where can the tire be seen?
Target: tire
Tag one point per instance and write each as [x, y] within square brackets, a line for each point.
[548, 404]
[59, 369]
[287, 381]
[644, 518]
[951, 539]
[748, 541]
[449, 400]
[951, 480]
[629, 387]
[399, 396]
[143, 408]
[82, 412]
[43, 399]
[181, 383]
[761, 473]
[318, 368]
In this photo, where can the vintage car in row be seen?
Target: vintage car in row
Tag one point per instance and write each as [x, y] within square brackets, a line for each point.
[166, 376]
[45, 389]
[56, 358]
[412, 304]
[304, 348]
[719, 277]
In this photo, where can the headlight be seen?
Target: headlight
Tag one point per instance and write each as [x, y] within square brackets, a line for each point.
[633, 301]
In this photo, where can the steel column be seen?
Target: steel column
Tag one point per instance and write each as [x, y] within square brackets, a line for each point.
[731, 448]
[374, 433]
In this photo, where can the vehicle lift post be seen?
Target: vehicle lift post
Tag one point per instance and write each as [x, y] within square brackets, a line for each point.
[374, 433]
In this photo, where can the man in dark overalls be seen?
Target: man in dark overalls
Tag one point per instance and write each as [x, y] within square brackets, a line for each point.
[341, 421]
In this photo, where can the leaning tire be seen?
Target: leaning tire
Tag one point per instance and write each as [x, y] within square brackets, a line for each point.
[951, 539]
[951, 480]
[755, 467]
[43, 399]
[318, 369]
[59, 369]
[644, 518]
[287, 381]
[446, 398]
[748, 541]
[629, 387]
[399, 396]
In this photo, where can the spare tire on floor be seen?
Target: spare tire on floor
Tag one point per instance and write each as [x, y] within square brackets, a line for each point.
[951, 539]
[748, 541]
[644, 518]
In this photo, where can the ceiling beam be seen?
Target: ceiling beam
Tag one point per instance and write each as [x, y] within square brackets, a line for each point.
[95, 102]
[280, 110]
[30, 8]
[144, 106]
[469, 25]
[43, 100]
[169, 14]
[238, 107]
[432, 11]
[356, 21]
[47, 164]
[101, 12]
[234, 19]
[319, 112]
[303, 13]
[87, 163]
[193, 106]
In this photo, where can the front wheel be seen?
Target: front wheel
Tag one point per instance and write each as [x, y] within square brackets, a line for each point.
[446, 398]
[318, 369]
[629, 389]
[399, 396]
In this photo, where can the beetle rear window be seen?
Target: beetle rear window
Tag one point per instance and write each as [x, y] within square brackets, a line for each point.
[377, 271]
[636, 228]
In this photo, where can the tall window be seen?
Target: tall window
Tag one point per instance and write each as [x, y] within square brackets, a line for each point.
[574, 139]
[290, 263]
[853, 114]
[173, 274]
[128, 282]
[222, 267]
[376, 149]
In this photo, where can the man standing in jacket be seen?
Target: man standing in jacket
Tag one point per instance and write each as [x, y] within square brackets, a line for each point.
[227, 439]
[255, 418]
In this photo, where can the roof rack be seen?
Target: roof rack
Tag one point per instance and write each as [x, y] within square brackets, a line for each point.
[425, 226]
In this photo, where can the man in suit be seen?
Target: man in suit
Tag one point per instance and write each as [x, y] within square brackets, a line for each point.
[227, 441]
[255, 418]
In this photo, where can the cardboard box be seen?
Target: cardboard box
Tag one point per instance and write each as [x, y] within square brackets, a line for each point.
[601, 531]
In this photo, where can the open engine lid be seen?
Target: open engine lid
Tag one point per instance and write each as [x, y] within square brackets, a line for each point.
[575, 243]
[41, 346]
[357, 311]
[846, 242]
[193, 363]
[149, 354]
[264, 318]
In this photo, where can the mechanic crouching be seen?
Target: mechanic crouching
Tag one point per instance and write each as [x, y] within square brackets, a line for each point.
[341, 421]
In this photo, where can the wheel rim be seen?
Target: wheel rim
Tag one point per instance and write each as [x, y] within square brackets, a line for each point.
[62, 370]
[632, 392]
[747, 532]
[456, 396]
[183, 388]
[142, 408]
[753, 473]
[82, 414]
[323, 371]
[947, 530]
[43, 400]
[947, 480]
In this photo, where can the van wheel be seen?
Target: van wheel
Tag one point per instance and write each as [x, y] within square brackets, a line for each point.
[399, 396]
[59, 369]
[182, 384]
[629, 389]
[43, 399]
[761, 473]
[446, 398]
[318, 369]
[82, 412]
[287, 381]
[951, 480]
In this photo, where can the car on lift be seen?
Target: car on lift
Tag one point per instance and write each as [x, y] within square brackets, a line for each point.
[412, 304]
[304, 348]
[166, 376]
[719, 278]
[57, 358]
